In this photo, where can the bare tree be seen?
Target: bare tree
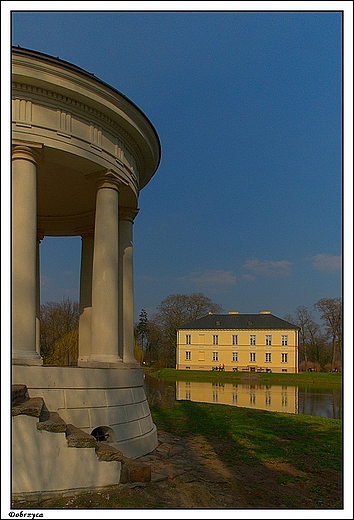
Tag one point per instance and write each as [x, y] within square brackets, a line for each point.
[310, 339]
[303, 316]
[177, 310]
[331, 314]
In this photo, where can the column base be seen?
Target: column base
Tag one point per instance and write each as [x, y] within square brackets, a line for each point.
[102, 361]
[23, 357]
[131, 361]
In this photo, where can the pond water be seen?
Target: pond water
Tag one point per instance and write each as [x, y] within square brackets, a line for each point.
[249, 394]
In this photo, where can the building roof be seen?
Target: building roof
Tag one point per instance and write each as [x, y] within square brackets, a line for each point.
[235, 321]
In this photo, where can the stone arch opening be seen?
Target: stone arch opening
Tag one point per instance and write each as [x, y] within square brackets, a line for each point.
[104, 434]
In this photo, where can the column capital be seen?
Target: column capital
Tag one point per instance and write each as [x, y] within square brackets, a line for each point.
[26, 152]
[126, 213]
[105, 179]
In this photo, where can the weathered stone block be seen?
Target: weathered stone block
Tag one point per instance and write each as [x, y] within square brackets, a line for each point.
[33, 407]
[134, 471]
[76, 438]
[106, 452]
[19, 394]
[53, 424]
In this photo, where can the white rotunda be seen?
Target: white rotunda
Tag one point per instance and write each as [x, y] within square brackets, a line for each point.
[81, 153]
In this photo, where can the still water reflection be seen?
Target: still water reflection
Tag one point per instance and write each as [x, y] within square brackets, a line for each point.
[275, 398]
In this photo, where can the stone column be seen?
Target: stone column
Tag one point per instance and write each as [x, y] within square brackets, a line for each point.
[104, 351]
[126, 218]
[24, 255]
[40, 237]
[85, 328]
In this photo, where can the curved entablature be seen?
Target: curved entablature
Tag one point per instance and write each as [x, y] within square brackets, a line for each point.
[84, 126]
[114, 125]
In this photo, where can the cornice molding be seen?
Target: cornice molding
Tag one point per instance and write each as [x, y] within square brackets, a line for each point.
[128, 141]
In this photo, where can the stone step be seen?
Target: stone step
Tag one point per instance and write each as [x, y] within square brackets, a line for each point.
[106, 452]
[77, 438]
[134, 471]
[131, 470]
[54, 423]
[34, 407]
[19, 394]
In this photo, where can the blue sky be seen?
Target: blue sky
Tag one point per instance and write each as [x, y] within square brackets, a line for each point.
[246, 205]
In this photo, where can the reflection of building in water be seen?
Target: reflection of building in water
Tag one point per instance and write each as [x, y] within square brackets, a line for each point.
[274, 398]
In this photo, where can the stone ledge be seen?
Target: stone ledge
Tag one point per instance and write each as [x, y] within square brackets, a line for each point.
[76, 438]
[53, 424]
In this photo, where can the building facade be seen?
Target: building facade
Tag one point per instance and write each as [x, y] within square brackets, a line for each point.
[238, 342]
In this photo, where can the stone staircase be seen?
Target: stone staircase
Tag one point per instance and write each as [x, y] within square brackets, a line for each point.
[48, 421]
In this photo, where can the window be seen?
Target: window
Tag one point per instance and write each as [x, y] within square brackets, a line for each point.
[188, 339]
[215, 356]
[235, 356]
[188, 395]
[252, 339]
[252, 356]
[215, 339]
[235, 339]
[268, 340]
[284, 340]
[188, 355]
[268, 357]
[284, 358]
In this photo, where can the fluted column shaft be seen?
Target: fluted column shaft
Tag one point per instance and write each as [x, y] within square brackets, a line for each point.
[105, 274]
[24, 256]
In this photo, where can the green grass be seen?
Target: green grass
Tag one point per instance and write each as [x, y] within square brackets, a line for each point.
[320, 379]
[257, 437]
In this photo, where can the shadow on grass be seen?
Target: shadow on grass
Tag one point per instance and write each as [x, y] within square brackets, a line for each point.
[278, 460]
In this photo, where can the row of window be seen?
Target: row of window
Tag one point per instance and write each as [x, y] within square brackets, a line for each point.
[268, 400]
[234, 339]
[268, 356]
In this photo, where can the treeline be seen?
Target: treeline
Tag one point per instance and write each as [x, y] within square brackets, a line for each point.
[157, 337]
[320, 345]
[59, 332]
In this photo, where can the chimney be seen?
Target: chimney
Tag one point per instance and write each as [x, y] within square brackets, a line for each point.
[264, 312]
[233, 312]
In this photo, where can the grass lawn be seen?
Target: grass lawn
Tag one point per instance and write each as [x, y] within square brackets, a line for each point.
[310, 448]
[256, 436]
[320, 379]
